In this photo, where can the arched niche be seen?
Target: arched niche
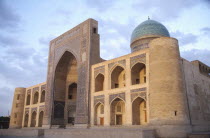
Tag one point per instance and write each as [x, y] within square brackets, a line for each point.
[117, 112]
[139, 114]
[118, 77]
[138, 74]
[99, 82]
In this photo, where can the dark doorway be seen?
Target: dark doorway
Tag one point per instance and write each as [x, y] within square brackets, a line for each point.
[101, 121]
[118, 119]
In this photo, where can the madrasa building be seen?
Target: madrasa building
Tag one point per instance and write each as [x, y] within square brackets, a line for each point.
[152, 87]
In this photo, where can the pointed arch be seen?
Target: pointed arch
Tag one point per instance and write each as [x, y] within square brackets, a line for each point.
[41, 115]
[36, 97]
[138, 73]
[99, 82]
[28, 100]
[118, 77]
[117, 112]
[33, 119]
[99, 114]
[139, 113]
[42, 96]
[66, 72]
[61, 56]
[117, 97]
[26, 119]
[99, 102]
[138, 97]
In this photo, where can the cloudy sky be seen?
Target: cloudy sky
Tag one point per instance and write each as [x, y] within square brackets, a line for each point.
[27, 26]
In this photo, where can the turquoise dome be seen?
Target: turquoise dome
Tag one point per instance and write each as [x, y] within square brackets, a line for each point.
[149, 27]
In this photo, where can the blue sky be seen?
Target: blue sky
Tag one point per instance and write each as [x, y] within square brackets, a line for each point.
[27, 26]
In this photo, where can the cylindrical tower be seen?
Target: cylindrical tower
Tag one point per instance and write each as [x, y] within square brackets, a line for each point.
[167, 98]
[17, 108]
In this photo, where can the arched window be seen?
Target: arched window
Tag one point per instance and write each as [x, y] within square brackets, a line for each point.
[72, 94]
[138, 74]
[28, 100]
[99, 83]
[118, 78]
[43, 96]
[36, 97]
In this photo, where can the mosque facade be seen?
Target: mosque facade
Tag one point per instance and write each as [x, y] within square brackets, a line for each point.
[152, 87]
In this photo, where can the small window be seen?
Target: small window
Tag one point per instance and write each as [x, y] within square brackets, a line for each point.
[175, 113]
[15, 115]
[16, 105]
[137, 81]
[70, 96]
[123, 76]
[116, 85]
[95, 30]
[14, 122]
[18, 96]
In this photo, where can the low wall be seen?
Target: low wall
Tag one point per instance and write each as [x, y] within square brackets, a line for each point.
[100, 133]
[21, 132]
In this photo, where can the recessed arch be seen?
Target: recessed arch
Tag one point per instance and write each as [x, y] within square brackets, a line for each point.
[138, 73]
[138, 97]
[62, 55]
[117, 112]
[117, 97]
[28, 99]
[118, 77]
[42, 96]
[99, 82]
[65, 86]
[26, 120]
[36, 97]
[41, 115]
[99, 114]
[139, 112]
[33, 119]
[99, 102]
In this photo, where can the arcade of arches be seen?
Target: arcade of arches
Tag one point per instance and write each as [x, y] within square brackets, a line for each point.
[124, 91]
[34, 106]
[36, 119]
[118, 112]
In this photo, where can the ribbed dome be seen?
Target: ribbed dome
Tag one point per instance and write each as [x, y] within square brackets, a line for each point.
[149, 27]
